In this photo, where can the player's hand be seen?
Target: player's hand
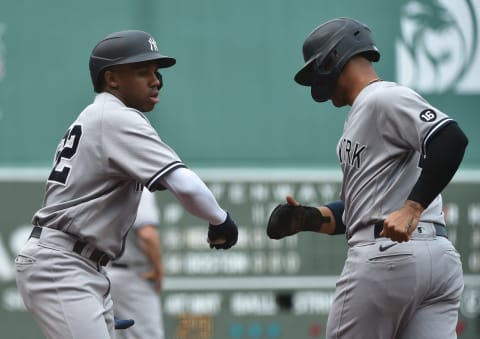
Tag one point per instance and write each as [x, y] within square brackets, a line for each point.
[155, 276]
[400, 224]
[223, 236]
[291, 218]
[291, 200]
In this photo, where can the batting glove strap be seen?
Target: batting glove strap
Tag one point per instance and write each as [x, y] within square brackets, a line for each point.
[228, 230]
[287, 220]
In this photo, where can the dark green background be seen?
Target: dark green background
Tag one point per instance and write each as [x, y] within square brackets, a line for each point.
[230, 100]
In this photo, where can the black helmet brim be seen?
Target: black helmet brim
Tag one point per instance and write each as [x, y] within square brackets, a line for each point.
[304, 75]
[163, 60]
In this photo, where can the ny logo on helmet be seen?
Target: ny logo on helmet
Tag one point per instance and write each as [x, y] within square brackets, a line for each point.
[153, 45]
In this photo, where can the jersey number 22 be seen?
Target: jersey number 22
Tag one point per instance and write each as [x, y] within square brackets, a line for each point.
[66, 150]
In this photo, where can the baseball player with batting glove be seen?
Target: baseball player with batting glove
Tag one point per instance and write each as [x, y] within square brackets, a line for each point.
[402, 278]
[105, 159]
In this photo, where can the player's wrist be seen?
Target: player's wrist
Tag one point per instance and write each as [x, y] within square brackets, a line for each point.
[414, 207]
[311, 219]
[159, 271]
[337, 208]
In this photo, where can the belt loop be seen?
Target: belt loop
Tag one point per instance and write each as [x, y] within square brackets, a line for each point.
[100, 257]
[377, 229]
[79, 246]
[36, 232]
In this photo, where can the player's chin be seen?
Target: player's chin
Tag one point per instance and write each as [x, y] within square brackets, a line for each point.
[153, 100]
[149, 105]
[338, 103]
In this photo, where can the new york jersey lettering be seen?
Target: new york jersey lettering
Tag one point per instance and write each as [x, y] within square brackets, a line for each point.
[350, 153]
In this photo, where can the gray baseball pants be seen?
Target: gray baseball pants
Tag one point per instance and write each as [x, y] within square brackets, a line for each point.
[410, 290]
[67, 294]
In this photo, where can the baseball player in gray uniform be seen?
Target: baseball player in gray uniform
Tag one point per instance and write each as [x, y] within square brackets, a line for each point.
[105, 159]
[402, 277]
[136, 276]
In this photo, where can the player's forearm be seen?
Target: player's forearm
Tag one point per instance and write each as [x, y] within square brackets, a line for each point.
[151, 246]
[153, 253]
[442, 158]
[194, 195]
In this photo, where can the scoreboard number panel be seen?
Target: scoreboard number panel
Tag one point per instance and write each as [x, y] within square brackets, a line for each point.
[260, 288]
[265, 288]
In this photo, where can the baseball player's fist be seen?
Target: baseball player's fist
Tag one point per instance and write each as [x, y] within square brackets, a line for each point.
[223, 236]
[291, 218]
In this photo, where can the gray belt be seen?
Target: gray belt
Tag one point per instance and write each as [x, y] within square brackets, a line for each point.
[440, 230]
[424, 230]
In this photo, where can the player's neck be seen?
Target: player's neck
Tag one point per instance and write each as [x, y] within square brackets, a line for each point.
[361, 75]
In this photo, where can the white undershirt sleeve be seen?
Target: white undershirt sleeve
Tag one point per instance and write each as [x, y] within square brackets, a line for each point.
[194, 195]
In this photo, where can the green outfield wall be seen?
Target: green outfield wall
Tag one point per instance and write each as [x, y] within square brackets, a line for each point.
[231, 99]
[260, 289]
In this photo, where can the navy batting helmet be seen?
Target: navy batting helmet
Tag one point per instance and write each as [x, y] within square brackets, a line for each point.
[327, 49]
[124, 47]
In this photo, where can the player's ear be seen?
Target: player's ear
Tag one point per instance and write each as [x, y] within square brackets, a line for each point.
[110, 79]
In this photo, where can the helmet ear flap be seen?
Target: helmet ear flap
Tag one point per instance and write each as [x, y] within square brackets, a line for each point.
[324, 76]
[320, 93]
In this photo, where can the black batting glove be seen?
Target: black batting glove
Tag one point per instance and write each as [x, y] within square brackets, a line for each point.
[286, 220]
[223, 236]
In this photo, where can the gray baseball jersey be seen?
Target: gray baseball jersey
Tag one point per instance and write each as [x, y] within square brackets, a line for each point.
[106, 157]
[386, 289]
[380, 153]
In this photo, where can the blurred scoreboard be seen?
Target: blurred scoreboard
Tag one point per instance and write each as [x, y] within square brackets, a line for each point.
[259, 289]
[266, 288]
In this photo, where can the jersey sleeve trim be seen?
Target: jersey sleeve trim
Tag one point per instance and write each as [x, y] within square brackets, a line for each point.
[434, 130]
[170, 167]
